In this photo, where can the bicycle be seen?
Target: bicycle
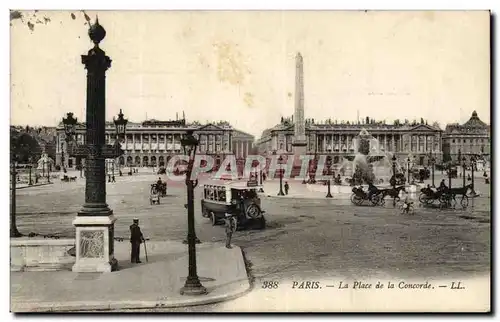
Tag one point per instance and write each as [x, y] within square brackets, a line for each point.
[407, 207]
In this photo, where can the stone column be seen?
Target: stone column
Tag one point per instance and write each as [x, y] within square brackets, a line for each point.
[95, 221]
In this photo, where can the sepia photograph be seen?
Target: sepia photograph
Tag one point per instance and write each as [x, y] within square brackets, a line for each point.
[250, 161]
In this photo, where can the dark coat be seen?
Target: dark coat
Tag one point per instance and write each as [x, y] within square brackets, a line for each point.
[136, 234]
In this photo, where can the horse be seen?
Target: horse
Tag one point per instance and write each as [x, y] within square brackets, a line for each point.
[392, 192]
[462, 191]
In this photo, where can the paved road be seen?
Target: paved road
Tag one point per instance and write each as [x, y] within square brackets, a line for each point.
[306, 238]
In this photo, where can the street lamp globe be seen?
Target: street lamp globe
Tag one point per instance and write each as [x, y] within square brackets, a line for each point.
[121, 125]
[189, 144]
[69, 126]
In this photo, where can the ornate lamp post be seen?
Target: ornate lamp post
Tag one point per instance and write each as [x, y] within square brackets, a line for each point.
[13, 227]
[394, 170]
[463, 170]
[121, 125]
[473, 165]
[280, 160]
[30, 181]
[433, 164]
[408, 164]
[449, 175]
[328, 169]
[69, 130]
[95, 221]
[193, 285]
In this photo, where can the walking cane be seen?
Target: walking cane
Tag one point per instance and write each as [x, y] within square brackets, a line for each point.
[146, 251]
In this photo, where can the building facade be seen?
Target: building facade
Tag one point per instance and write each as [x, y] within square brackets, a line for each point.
[473, 138]
[153, 142]
[337, 139]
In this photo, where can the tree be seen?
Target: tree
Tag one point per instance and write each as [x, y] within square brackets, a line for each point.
[23, 147]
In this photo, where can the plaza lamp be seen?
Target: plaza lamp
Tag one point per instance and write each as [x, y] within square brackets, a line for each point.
[280, 160]
[30, 161]
[328, 170]
[13, 227]
[473, 165]
[69, 130]
[433, 164]
[463, 170]
[449, 175]
[121, 126]
[192, 285]
[394, 170]
[408, 165]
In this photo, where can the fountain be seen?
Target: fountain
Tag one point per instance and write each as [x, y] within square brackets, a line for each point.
[369, 164]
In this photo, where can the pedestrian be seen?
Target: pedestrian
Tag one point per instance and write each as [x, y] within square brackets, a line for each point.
[230, 228]
[113, 178]
[136, 239]
[286, 187]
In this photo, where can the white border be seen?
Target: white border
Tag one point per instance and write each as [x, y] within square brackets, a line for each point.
[187, 4]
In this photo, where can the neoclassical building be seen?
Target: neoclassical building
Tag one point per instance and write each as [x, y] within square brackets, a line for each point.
[154, 142]
[464, 140]
[418, 140]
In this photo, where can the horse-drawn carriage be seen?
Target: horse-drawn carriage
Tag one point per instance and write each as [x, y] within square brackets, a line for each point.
[359, 196]
[420, 174]
[445, 198]
[157, 190]
[154, 195]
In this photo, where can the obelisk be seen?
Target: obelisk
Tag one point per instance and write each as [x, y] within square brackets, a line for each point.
[299, 143]
[299, 125]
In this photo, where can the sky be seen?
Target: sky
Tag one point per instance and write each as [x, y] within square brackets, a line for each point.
[240, 66]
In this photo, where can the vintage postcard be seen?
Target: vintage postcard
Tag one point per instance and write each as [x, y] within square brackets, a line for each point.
[250, 161]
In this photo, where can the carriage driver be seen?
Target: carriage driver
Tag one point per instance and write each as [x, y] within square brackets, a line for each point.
[159, 182]
[371, 190]
[442, 186]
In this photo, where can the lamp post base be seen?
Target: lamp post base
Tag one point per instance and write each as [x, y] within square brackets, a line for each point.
[197, 241]
[193, 287]
[281, 193]
[329, 195]
[95, 244]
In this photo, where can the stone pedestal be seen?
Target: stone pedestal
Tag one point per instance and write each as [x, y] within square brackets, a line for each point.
[95, 244]
[299, 149]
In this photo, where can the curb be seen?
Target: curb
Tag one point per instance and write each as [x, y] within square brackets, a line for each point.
[33, 186]
[243, 288]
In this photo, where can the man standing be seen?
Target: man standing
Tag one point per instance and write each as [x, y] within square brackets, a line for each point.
[230, 228]
[136, 238]
[286, 187]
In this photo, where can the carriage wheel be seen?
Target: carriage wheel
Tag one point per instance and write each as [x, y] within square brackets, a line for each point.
[375, 200]
[443, 202]
[213, 219]
[355, 199]
[464, 202]
[423, 198]
[235, 224]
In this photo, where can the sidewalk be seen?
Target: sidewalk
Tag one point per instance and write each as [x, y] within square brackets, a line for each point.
[25, 185]
[151, 284]
[299, 191]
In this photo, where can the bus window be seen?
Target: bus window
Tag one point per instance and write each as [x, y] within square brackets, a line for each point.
[222, 194]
